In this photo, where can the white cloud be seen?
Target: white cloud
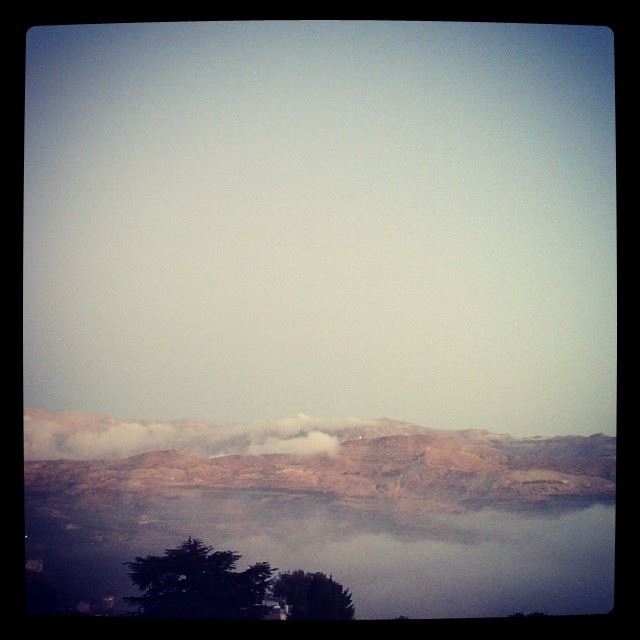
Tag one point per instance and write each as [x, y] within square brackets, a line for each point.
[312, 443]
[64, 435]
[41, 441]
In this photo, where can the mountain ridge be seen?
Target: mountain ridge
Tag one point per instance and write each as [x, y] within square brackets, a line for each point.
[428, 471]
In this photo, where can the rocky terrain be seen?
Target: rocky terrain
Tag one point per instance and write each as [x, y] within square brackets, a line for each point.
[376, 489]
[387, 467]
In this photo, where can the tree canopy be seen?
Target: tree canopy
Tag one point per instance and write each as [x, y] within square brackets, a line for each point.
[313, 596]
[194, 581]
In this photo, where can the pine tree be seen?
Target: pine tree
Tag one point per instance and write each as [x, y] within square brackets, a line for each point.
[314, 596]
[194, 581]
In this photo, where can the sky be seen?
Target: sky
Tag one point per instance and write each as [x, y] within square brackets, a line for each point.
[248, 221]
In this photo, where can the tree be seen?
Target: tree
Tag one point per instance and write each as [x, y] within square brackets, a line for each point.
[313, 596]
[194, 581]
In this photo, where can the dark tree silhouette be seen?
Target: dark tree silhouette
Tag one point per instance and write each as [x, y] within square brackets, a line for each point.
[194, 581]
[313, 596]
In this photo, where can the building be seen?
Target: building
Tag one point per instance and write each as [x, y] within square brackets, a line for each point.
[277, 610]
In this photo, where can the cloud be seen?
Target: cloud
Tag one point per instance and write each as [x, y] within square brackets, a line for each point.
[311, 443]
[121, 440]
[42, 439]
[81, 436]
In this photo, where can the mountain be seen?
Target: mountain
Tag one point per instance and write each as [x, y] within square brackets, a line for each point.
[383, 466]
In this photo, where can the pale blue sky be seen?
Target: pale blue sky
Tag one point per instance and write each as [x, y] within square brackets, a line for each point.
[246, 221]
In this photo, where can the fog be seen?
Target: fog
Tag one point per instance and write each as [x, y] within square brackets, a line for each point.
[72, 435]
[557, 566]
[497, 563]
[481, 564]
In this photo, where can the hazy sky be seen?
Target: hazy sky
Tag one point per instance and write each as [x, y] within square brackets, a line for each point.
[246, 221]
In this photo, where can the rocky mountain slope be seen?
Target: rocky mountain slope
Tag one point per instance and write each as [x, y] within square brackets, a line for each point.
[388, 466]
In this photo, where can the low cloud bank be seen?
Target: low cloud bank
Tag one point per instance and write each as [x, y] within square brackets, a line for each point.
[311, 443]
[81, 436]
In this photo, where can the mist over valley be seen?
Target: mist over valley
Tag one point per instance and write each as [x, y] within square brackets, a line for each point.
[417, 522]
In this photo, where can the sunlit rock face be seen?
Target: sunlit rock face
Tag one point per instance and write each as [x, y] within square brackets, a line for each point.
[377, 466]
[382, 500]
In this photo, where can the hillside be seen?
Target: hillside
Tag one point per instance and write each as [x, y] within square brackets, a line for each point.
[415, 472]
